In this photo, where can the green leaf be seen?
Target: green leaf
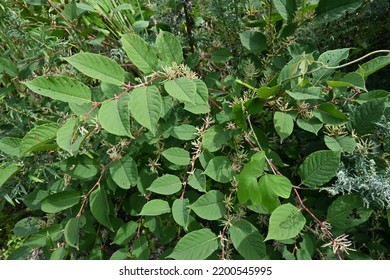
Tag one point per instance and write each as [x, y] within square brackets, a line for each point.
[201, 105]
[219, 169]
[330, 58]
[304, 96]
[372, 95]
[328, 10]
[340, 143]
[183, 89]
[197, 180]
[72, 231]
[353, 79]
[247, 180]
[146, 106]
[267, 92]
[221, 55]
[100, 208]
[61, 88]
[141, 248]
[177, 156]
[286, 8]
[285, 222]
[319, 168]
[155, 207]
[114, 116]
[140, 53]
[8, 172]
[210, 206]
[125, 233]
[329, 114]
[271, 187]
[166, 185]
[169, 48]
[98, 67]
[312, 125]
[40, 239]
[284, 124]
[27, 226]
[59, 254]
[247, 240]
[80, 167]
[239, 116]
[60, 201]
[120, 254]
[37, 137]
[124, 172]
[181, 212]
[196, 245]
[181, 132]
[370, 67]
[66, 138]
[8, 67]
[254, 41]
[10, 145]
[348, 211]
[366, 116]
[215, 138]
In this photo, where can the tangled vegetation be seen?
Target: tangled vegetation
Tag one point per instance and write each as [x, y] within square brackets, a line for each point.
[194, 130]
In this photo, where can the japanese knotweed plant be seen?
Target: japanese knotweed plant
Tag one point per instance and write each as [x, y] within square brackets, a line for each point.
[160, 167]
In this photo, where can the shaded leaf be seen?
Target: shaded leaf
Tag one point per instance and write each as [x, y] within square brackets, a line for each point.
[72, 231]
[60, 201]
[100, 208]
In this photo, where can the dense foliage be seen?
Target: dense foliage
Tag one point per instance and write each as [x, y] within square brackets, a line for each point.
[193, 130]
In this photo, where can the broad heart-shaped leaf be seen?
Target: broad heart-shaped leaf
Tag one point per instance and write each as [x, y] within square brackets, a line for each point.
[284, 124]
[196, 245]
[271, 187]
[247, 180]
[348, 211]
[219, 169]
[340, 143]
[312, 125]
[197, 180]
[210, 206]
[7, 173]
[254, 41]
[60, 201]
[140, 53]
[183, 89]
[10, 145]
[177, 156]
[125, 233]
[286, 8]
[247, 240]
[328, 10]
[167, 184]
[72, 231]
[330, 59]
[124, 172]
[169, 48]
[181, 132]
[100, 208]
[373, 65]
[319, 168]
[155, 207]
[215, 138]
[181, 212]
[366, 115]
[114, 116]
[98, 67]
[37, 137]
[61, 88]
[67, 138]
[285, 222]
[329, 114]
[146, 106]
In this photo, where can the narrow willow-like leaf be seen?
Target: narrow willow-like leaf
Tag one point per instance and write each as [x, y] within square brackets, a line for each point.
[285, 222]
[100, 208]
[210, 206]
[60, 201]
[169, 48]
[37, 137]
[61, 88]
[98, 67]
[114, 116]
[72, 231]
[196, 245]
[155, 207]
[140, 53]
[146, 106]
[177, 156]
[8, 172]
[124, 172]
[181, 212]
[319, 168]
[167, 184]
[247, 240]
[183, 89]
